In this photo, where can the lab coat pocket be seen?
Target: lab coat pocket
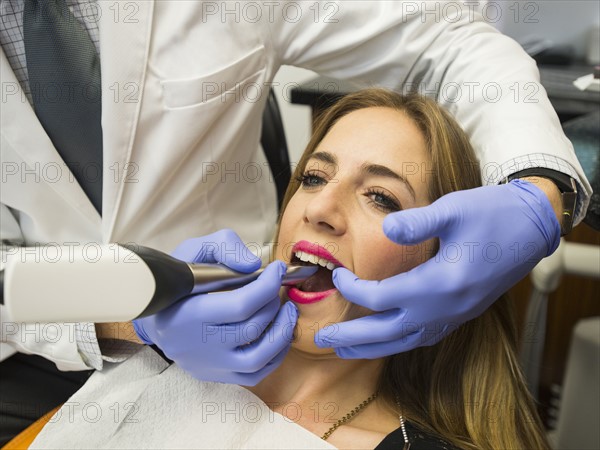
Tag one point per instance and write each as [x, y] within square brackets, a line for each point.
[228, 84]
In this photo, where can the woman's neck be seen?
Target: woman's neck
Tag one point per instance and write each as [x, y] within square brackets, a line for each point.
[316, 391]
[310, 380]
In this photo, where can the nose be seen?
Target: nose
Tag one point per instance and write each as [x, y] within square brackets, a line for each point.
[326, 211]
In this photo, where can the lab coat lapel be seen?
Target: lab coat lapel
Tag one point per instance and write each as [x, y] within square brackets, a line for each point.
[22, 129]
[124, 42]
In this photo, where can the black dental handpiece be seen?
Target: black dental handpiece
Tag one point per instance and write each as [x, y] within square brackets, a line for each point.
[115, 284]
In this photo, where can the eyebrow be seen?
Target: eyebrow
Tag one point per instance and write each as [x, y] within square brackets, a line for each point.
[383, 171]
[325, 157]
[372, 169]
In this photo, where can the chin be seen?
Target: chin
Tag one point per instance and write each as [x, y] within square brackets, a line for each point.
[304, 337]
[314, 316]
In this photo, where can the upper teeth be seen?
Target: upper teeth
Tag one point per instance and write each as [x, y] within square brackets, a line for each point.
[307, 257]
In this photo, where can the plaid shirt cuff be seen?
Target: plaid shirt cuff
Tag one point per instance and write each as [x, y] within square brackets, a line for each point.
[549, 162]
[89, 348]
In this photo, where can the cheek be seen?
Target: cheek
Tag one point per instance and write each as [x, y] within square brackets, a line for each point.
[284, 240]
[383, 258]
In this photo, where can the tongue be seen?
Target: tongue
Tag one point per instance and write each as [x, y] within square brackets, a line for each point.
[319, 282]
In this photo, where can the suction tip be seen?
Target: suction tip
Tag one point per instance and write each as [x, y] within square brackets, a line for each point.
[297, 273]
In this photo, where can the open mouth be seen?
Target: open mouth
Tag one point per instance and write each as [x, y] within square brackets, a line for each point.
[320, 281]
[318, 286]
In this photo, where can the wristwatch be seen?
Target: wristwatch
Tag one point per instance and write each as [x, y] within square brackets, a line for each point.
[565, 184]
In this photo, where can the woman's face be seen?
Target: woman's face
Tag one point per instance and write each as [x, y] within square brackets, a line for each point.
[371, 163]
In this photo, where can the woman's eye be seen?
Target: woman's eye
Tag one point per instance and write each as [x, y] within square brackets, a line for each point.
[382, 201]
[311, 180]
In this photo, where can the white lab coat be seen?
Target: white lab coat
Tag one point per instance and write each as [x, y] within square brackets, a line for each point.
[181, 112]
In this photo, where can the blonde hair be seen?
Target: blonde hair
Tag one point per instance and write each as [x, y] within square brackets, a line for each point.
[468, 388]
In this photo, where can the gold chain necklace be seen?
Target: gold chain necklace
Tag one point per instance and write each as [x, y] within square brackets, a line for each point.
[351, 415]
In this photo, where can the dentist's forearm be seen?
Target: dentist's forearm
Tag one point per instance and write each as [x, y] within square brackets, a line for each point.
[122, 331]
[551, 191]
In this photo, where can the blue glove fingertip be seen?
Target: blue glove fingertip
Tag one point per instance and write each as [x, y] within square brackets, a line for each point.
[340, 353]
[139, 330]
[282, 268]
[321, 338]
[350, 353]
[389, 224]
[397, 230]
[321, 343]
[342, 276]
[252, 258]
[276, 268]
[252, 261]
[292, 311]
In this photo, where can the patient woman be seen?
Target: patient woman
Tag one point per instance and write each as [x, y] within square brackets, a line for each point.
[373, 153]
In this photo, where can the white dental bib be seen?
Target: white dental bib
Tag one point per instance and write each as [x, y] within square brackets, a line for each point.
[145, 403]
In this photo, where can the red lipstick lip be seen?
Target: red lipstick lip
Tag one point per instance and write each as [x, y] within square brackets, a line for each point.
[315, 249]
[305, 298]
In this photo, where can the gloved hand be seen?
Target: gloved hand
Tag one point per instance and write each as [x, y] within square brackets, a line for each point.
[219, 337]
[490, 238]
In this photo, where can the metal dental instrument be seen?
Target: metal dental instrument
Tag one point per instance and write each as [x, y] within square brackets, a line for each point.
[118, 284]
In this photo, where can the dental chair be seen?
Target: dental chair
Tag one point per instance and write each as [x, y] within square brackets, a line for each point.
[275, 146]
[579, 411]
[579, 415]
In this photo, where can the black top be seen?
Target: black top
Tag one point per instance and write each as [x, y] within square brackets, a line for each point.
[418, 439]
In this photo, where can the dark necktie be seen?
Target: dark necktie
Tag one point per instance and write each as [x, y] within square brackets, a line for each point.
[64, 77]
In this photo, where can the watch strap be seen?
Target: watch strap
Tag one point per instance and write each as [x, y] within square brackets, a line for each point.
[565, 184]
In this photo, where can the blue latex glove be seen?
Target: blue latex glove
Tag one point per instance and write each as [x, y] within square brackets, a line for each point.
[502, 233]
[208, 335]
